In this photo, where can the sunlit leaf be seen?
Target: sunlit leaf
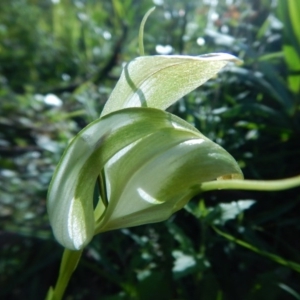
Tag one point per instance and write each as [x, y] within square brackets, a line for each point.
[231, 210]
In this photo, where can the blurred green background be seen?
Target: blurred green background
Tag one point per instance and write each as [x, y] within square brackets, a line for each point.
[59, 61]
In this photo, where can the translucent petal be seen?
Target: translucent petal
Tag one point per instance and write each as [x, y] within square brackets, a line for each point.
[70, 195]
[159, 174]
[159, 81]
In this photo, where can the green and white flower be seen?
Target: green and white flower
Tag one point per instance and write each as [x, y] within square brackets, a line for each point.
[150, 163]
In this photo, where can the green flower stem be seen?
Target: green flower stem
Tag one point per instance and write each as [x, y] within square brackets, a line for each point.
[141, 31]
[255, 185]
[68, 265]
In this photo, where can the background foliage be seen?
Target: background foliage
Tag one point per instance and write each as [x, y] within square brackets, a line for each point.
[59, 61]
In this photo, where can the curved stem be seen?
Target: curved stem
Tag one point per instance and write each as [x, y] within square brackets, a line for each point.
[255, 185]
[141, 31]
[278, 259]
[68, 265]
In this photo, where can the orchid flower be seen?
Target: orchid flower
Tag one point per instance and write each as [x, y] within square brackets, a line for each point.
[147, 162]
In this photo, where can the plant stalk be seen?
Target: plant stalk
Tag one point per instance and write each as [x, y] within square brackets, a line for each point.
[254, 185]
[68, 265]
[276, 258]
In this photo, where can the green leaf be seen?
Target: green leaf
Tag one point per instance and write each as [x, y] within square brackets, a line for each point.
[229, 211]
[157, 162]
[288, 13]
[159, 81]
